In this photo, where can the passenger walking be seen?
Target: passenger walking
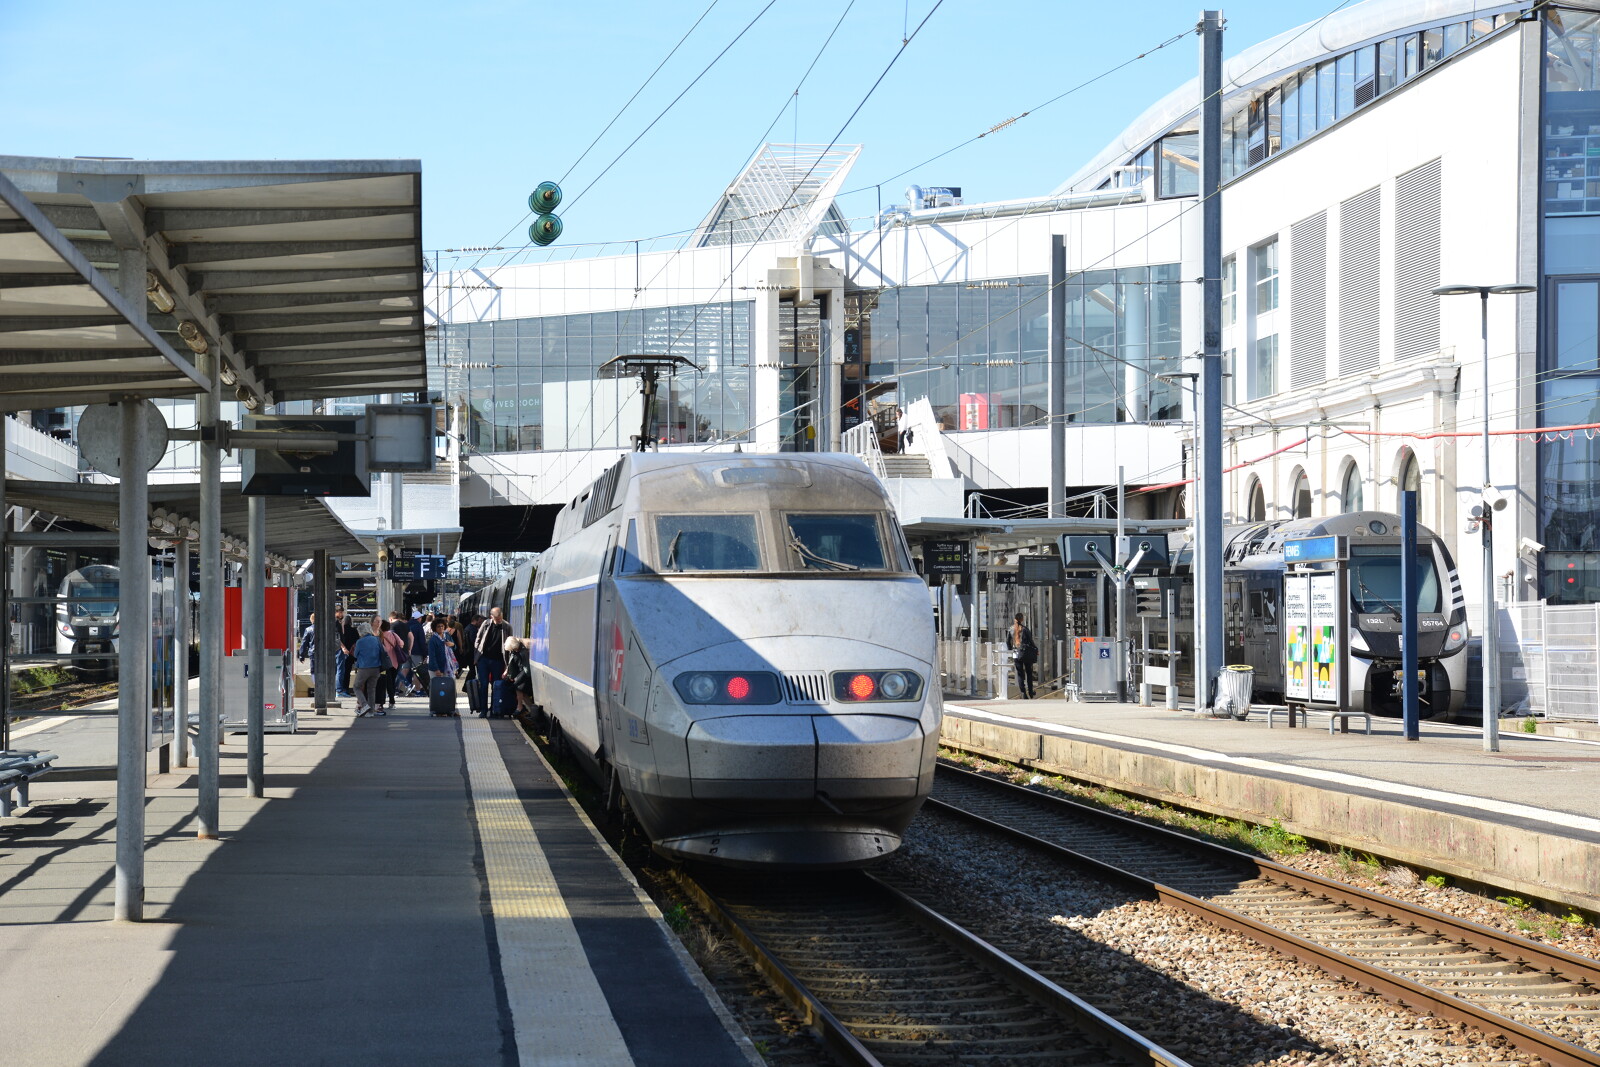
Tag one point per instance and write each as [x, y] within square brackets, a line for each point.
[344, 660]
[308, 640]
[421, 629]
[490, 647]
[518, 674]
[394, 654]
[441, 664]
[1019, 639]
[368, 659]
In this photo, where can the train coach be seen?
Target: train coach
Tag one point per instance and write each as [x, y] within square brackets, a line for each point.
[1253, 578]
[739, 647]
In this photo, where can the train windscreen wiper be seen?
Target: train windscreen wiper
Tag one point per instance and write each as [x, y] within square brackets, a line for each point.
[672, 552]
[807, 555]
[1368, 591]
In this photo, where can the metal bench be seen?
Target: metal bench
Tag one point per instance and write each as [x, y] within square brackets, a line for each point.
[18, 768]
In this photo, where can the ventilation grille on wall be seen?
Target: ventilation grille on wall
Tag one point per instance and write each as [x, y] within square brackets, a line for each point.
[1416, 262]
[1358, 283]
[1308, 318]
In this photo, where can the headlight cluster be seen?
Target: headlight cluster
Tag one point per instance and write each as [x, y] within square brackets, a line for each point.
[727, 687]
[1455, 639]
[854, 687]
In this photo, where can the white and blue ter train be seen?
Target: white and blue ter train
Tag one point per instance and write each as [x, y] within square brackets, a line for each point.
[739, 646]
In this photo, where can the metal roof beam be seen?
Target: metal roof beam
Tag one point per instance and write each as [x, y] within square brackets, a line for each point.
[159, 219]
[296, 357]
[201, 252]
[264, 342]
[398, 386]
[22, 323]
[29, 281]
[396, 277]
[248, 323]
[30, 380]
[21, 357]
[245, 303]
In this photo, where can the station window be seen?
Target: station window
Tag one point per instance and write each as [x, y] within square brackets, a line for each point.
[1350, 493]
[1264, 272]
[1388, 69]
[1179, 172]
[1263, 375]
[1230, 291]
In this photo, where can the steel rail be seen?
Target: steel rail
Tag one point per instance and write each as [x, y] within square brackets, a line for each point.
[834, 1034]
[1554, 1050]
[1119, 1039]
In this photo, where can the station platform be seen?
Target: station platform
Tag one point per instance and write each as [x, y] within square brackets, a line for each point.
[411, 890]
[1526, 817]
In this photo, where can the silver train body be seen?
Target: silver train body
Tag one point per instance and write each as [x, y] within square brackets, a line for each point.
[87, 624]
[1253, 576]
[739, 644]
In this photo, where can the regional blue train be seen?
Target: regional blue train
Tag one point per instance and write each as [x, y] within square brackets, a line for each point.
[739, 646]
[1253, 576]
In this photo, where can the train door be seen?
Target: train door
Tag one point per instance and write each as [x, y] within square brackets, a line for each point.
[609, 648]
[1233, 620]
[1263, 639]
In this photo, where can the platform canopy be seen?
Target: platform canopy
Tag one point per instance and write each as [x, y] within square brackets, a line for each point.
[305, 275]
[66, 335]
[296, 526]
[785, 193]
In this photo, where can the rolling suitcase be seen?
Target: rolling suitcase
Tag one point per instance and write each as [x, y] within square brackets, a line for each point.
[441, 695]
[474, 689]
[504, 702]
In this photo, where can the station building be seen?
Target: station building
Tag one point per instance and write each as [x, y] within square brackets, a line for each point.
[1369, 158]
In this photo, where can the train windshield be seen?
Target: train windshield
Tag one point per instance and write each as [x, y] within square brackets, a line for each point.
[835, 542]
[82, 592]
[707, 543]
[1375, 581]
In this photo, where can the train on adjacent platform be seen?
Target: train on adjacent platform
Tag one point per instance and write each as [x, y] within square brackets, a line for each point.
[86, 622]
[1253, 584]
[738, 645]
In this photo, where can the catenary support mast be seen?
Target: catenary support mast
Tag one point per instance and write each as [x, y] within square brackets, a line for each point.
[1208, 482]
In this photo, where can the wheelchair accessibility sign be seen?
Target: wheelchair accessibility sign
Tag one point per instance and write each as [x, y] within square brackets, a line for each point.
[1105, 653]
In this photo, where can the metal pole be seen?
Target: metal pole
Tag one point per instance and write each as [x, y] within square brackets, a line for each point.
[180, 653]
[1120, 589]
[1057, 491]
[208, 410]
[1172, 645]
[1208, 472]
[1408, 614]
[972, 622]
[254, 612]
[5, 599]
[322, 646]
[133, 660]
[1490, 644]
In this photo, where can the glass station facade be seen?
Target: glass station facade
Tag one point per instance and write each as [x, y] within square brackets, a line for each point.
[1569, 361]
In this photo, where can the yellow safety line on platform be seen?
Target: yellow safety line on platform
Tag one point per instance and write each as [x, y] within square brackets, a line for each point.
[557, 1007]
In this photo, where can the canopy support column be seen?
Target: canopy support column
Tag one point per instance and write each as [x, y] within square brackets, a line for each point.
[133, 662]
[254, 613]
[321, 647]
[209, 739]
[181, 603]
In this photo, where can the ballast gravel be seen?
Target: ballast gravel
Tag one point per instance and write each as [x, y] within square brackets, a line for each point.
[1210, 996]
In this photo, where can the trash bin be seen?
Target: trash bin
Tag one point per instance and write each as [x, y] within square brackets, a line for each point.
[1235, 683]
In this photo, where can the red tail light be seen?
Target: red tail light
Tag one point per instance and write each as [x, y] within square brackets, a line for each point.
[862, 686]
[738, 687]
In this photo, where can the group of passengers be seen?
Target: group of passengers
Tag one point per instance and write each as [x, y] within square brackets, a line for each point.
[396, 656]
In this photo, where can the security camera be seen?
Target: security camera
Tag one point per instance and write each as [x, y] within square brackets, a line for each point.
[1494, 498]
[1529, 547]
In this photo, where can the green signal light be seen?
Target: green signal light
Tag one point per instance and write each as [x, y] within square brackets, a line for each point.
[545, 198]
[545, 229]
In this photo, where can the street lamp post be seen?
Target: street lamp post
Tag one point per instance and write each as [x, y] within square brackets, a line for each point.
[1489, 642]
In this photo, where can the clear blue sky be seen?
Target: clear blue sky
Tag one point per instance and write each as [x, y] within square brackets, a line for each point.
[495, 95]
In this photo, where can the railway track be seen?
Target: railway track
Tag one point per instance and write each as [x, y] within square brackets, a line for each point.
[1542, 999]
[883, 979]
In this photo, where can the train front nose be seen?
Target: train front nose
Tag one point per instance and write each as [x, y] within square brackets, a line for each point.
[850, 762]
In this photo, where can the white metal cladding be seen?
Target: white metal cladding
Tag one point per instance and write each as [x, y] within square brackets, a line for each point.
[1522, 665]
[807, 688]
[1572, 661]
[1308, 300]
[1416, 262]
[1358, 283]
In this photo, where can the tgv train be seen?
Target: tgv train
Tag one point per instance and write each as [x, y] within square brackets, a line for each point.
[87, 622]
[1253, 576]
[739, 645]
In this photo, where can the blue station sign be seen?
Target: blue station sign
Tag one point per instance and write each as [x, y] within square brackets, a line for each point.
[1327, 549]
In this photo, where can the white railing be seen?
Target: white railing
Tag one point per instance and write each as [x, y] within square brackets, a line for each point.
[49, 456]
[862, 441]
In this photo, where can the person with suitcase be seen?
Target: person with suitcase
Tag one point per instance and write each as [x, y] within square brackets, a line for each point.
[441, 674]
[518, 675]
[490, 647]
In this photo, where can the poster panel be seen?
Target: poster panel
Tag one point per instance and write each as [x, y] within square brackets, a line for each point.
[1326, 660]
[1297, 637]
